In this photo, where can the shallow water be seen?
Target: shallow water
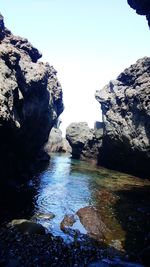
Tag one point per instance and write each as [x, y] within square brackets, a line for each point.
[122, 200]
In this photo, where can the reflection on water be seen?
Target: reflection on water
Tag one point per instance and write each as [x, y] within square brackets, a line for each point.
[61, 192]
[121, 200]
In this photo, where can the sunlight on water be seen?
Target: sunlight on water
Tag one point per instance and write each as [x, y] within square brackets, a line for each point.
[68, 185]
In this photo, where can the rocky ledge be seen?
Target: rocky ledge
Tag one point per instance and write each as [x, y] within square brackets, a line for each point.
[30, 102]
[125, 104]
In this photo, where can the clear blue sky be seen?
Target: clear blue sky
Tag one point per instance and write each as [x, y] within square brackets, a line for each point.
[88, 42]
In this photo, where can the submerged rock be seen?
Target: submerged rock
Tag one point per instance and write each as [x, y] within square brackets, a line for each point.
[92, 221]
[125, 104]
[67, 221]
[43, 216]
[30, 102]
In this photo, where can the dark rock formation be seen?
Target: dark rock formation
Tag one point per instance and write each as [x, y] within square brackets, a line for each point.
[142, 7]
[27, 227]
[56, 143]
[125, 104]
[84, 141]
[30, 102]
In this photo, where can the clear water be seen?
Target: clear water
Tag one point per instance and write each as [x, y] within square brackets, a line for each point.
[68, 185]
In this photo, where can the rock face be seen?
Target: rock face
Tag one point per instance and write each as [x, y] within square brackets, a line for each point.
[30, 102]
[56, 143]
[142, 7]
[125, 104]
[84, 141]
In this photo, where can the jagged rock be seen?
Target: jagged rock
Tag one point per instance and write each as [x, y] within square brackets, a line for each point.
[30, 102]
[56, 143]
[125, 104]
[84, 141]
[142, 7]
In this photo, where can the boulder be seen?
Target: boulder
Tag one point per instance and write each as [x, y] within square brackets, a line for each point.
[125, 104]
[30, 102]
[92, 221]
[56, 142]
[67, 222]
[27, 227]
[84, 141]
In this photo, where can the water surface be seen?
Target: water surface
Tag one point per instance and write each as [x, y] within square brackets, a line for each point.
[122, 200]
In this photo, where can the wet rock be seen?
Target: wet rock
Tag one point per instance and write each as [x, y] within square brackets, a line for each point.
[27, 227]
[44, 216]
[92, 221]
[44, 250]
[125, 104]
[67, 222]
[106, 197]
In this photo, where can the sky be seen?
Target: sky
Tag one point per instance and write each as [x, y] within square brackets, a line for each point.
[89, 42]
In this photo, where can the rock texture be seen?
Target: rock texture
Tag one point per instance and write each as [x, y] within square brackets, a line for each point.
[142, 7]
[125, 104]
[93, 223]
[84, 141]
[56, 142]
[30, 102]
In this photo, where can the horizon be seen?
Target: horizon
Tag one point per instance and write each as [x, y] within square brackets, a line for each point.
[88, 44]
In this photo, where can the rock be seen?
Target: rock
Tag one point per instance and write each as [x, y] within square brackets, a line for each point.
[142, 7]
[30, 102]
[27, 227]
[45, 216]
[84, 141]
[65, 148]
[92, 221]
[67, 221]
[57, 143]
[44, 250]
[125, 104]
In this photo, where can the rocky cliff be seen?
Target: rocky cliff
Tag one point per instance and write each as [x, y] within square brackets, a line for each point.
[142, 7]
[30, 102]
[125, 104]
